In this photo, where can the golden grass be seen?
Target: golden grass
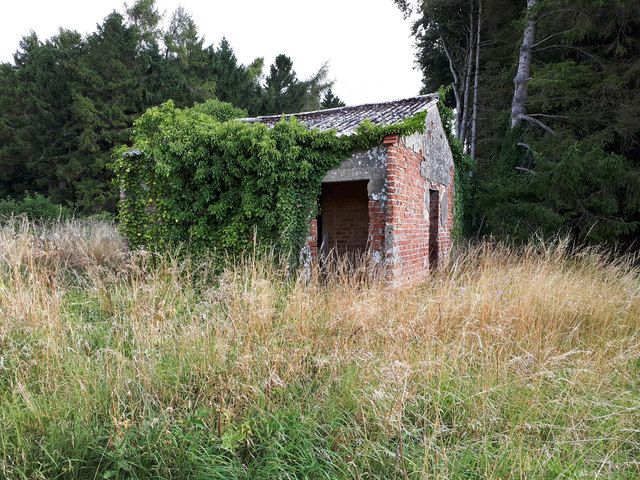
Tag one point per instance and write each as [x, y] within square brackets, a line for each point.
[523, 357]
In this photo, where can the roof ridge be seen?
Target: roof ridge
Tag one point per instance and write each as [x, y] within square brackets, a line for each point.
[346, 119]
[347, 107]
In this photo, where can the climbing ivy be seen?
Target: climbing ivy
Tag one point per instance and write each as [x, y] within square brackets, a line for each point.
[207, 180]
[463, 165]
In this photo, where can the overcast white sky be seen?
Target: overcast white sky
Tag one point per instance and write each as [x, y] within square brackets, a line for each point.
[365, 42]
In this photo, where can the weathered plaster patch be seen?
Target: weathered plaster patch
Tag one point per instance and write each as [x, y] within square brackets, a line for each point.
[437, 166]
[427, 202]
[391, 250]
[444, 209]
[413, 142]
[363, 165]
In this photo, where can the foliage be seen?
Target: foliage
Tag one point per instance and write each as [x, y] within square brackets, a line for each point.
[581, 137]
[146, 18]
[70, 100]
[66, 101]
[587, 192]
[33, 206]
[331, 101]
[464, 166]
[585, 158]
[213, 182]
[285, 93]
[235, 83]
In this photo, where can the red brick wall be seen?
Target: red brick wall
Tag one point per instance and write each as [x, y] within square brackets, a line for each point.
[397, 219]
[312, 240]
[407, 256]
[408, 217]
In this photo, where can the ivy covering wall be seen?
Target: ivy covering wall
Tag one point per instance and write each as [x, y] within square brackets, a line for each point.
[207, 180]
[464, 166]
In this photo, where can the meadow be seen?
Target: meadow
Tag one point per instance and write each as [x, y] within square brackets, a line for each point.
[509, 363]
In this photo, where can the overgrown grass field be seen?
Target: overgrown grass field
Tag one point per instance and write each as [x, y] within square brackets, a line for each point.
[508, 364]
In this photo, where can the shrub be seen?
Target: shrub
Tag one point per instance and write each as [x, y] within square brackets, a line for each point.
[35, 207]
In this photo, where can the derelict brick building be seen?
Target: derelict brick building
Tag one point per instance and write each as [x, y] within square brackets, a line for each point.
[394, 200]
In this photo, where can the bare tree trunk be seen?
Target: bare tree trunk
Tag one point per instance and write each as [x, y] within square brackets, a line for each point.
[474, 119]
[464, 120]
[518, 105]
[456, 84]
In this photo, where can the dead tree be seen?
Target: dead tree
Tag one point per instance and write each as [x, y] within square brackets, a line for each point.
[474, 118]
[464, 120]
[519, 103]
[456, 83]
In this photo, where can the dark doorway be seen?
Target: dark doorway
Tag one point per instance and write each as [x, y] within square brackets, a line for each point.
[343, 226]
[434, 231]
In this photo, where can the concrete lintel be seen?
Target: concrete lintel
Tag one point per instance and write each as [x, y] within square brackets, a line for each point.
[347, 175]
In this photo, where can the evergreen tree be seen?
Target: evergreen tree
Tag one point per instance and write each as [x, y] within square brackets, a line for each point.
[40, 108]
[67, 101]
[14, 176]
[106, 99]
[235, 84]
[571, 161]
[584, 94]
[185, 52]
[144, 15]
[285, 93]
[331, 101]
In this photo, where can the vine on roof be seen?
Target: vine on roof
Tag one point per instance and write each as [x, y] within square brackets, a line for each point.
[207, 181]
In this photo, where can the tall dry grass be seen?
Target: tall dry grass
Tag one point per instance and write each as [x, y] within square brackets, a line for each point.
[512, 363]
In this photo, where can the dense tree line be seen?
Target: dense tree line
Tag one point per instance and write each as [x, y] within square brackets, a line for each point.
[65, 102]
[547, 95]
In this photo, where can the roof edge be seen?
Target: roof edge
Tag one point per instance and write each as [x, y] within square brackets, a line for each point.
[435, 98]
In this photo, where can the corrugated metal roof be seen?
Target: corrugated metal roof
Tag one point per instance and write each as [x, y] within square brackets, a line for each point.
[346, 119]
[132, 153]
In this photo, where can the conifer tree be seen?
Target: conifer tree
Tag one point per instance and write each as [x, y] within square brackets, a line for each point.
[235, 83]
[331, 101]
[560, 151]
[285, 93]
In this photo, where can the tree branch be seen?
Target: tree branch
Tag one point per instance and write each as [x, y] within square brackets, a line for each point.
[446, 52]
[520, 93]
[593, 57]
[550, 36]
[537, 122]
[547, 115]
[464, 115]
[474, 117]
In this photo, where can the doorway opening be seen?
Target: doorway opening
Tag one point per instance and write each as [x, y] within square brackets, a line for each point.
[343, 225]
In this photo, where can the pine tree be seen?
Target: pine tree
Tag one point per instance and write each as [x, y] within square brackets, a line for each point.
[285, 93]
[331, 101]
[235, 83]
[573, 115]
